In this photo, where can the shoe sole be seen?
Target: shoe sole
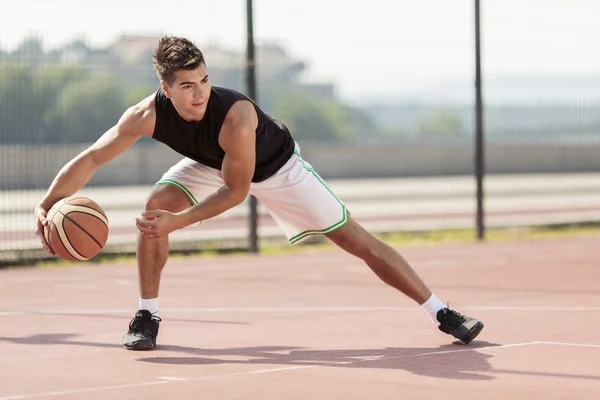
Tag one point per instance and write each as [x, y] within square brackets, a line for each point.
[472, 334]
[140, 345]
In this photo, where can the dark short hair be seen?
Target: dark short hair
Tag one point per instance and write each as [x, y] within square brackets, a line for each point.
[173, 54]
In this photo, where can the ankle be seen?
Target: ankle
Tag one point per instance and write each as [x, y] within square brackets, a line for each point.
[150, 305]
[432, 306]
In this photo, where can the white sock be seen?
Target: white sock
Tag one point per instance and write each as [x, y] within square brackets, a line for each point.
[150, 305]
[432, 306]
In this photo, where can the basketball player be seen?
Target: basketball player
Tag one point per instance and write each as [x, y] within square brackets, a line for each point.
[231, 149]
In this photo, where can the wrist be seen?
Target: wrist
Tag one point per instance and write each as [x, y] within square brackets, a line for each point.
[184, 219]
[42, 206]
[47, 203]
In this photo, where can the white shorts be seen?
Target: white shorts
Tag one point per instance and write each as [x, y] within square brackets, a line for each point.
[296, 196]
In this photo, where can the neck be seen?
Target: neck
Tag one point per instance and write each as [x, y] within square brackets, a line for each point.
[189, 117]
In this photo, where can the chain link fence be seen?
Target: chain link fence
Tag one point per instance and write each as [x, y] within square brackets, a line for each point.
[379, 96]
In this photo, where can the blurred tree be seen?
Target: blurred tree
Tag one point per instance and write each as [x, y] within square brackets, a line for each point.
[48, 84]
[73, 94]
[79, 45]
[306, 119]
[135, 93]
[30, 49]
[17, 103]
[442, 123]
[312, 118]
[84, 110]
[29, 99]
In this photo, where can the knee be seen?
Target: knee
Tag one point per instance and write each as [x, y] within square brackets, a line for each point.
[154, 202]
[168, 198]
[355, 241]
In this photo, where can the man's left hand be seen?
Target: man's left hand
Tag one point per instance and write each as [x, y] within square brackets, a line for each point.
[157, 223]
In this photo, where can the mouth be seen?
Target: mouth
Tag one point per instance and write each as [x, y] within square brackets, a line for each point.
[197, 104]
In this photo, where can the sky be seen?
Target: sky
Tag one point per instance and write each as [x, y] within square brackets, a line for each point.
[367, 48]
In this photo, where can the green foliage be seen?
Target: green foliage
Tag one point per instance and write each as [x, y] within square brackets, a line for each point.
[307, 118]
[311, 118]
[27, 95]
[17, 103]
[48, 84]
[134, 94]
[442, 123]
[71, 105]
[84, 110]
[44, 100]
[61, 104]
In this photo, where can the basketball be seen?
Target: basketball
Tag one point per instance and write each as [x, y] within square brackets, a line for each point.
[77, 228]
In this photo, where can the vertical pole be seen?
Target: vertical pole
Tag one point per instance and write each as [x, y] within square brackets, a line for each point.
[251, 90]
[479, 147]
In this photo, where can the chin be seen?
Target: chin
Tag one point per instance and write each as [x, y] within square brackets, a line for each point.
[196, 113]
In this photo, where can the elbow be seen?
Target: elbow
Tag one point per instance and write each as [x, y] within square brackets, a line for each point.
[83, 163]
[95, 160]
[87, 160]
[239, 196]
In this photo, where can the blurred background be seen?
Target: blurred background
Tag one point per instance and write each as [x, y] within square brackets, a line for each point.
[380, 97]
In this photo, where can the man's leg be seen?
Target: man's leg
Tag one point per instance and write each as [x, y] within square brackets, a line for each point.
[303, 205]
[385, 261]
[152, 254]
[391, 268]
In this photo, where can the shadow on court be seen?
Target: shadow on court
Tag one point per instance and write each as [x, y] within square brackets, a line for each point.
[446, 361]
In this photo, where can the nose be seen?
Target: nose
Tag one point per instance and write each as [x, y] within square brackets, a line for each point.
[199, 92]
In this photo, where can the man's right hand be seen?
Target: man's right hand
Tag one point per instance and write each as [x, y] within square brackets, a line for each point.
[137, 121]
[41, 224]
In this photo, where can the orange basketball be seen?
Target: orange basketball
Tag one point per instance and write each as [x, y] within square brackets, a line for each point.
[77, 228]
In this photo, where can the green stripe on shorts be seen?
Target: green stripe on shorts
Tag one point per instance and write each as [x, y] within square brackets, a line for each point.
[339, 224]
[179, 186]
[303, 235]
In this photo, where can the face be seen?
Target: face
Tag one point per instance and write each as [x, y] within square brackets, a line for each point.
[189, 92]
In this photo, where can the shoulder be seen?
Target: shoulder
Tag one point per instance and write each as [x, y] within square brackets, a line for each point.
[228, 96]
[239, 107]
[239, 127]
[242, 113]
[139, 119]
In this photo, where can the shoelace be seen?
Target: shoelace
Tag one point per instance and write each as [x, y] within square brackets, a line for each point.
[453, 318]
[140, 323]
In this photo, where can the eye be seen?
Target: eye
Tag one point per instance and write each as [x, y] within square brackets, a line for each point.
[187, 87]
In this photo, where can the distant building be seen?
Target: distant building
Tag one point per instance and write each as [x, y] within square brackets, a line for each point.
[226, 67]
[131, 49]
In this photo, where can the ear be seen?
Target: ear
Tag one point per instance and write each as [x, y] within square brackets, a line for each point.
[165, 88]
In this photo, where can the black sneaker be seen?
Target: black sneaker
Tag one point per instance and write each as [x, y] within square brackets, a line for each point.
[460, 326]
[142, 332]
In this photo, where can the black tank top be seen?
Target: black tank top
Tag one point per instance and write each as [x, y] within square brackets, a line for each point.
[200, 140]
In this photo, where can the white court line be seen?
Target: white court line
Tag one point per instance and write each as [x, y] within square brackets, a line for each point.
[293, 309]
[167, 380]
[163, 381]
[432, 353]
[50, 394]
[597, 346]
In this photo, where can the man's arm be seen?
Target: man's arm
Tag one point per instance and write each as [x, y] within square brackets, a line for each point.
[135, 122]
[238, 140]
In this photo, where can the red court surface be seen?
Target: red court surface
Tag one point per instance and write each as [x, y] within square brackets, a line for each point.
[318, 325]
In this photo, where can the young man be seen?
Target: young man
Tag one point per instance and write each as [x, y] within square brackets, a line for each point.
[231, 148]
